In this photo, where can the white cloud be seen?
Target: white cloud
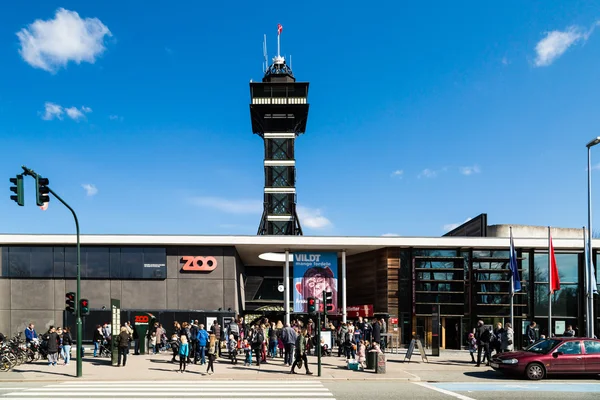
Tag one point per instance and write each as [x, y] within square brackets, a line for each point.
[51, 44]
[428, 173]
[52, 111]
[505, 61]
[90, 189]
[470, 170]
[390, 234]
[312, 218]
[240, 206]
[115, 117]
[309, 217]
[449, 227]
[556, 43]
[397, 173]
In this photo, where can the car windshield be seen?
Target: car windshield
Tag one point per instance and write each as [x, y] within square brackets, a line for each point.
[543, 346]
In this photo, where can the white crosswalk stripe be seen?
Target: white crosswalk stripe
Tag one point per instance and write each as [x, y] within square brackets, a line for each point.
[158, 390]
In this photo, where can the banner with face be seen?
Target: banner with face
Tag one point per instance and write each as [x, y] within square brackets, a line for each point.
[313, 274]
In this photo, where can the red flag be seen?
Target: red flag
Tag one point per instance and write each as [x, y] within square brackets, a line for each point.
[554, 279]
[279, 29]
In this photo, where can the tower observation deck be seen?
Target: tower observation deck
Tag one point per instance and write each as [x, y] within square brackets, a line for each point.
[279, 111]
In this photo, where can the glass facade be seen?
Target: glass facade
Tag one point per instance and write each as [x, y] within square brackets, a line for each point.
[473, 284]
[96, 262]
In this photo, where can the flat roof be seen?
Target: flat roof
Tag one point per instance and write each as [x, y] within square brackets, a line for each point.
[251, 246]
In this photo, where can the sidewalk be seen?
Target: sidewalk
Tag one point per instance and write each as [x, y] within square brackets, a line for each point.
[159, 367]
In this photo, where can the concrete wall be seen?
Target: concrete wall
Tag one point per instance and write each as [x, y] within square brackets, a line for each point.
[42, 301]
[530, 231]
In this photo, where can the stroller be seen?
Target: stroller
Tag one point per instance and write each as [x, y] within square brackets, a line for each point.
[104, 350]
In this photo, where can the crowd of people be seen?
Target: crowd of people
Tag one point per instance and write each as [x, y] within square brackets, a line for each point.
[260, 342]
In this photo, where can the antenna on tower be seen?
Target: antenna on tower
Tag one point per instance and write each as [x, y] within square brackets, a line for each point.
[265, 62]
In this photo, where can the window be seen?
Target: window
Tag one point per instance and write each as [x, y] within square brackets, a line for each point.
[132, 262]
[42, 262]
[567, 267]
[591, 347]
[155, 263]
[19, 262]
[570, 348]
[564, 301]
[96, 262]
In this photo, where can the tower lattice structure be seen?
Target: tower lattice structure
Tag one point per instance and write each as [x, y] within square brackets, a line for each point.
[279, 111]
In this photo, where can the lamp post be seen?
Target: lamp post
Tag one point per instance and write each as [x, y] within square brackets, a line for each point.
[589, 268]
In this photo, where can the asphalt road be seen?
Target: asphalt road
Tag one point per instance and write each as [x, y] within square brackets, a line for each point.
[350, 390]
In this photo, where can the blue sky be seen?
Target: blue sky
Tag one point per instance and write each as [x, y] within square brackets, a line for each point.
[422, 115]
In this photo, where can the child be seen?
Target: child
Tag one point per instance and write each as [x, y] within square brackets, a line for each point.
[362, 359]
[247, 352]
[184, 352]
[472, 343]
[232, 347]
[280, 346]
[153, 342]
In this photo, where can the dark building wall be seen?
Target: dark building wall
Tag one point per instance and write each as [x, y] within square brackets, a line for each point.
[372, 278]
[42, 301]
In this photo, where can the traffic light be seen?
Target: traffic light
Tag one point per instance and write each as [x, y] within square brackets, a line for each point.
[41, 190]
[312, 305]
[85, 307]
[18, 190]
[70, 302]
[329, 301]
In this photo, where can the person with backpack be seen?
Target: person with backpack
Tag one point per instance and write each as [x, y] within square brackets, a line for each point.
[258, 338]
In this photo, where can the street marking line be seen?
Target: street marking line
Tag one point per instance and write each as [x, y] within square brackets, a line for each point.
[151, 394]
[227, 382]
[174, 398]
[174, 389]
[444, 391]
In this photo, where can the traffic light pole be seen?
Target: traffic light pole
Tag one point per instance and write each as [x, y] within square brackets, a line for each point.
[78, 292]
[318, 343]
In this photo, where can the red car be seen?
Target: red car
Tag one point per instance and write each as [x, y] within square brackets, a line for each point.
[566, 355]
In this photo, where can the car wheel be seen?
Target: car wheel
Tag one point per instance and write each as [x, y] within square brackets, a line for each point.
[535, 371]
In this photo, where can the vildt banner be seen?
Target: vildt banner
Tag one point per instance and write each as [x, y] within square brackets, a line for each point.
[313, 274]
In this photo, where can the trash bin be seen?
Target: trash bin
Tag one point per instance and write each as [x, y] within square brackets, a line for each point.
[380, 366]
[371, 359]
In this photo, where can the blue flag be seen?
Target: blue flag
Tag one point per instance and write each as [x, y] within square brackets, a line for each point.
[514, 267]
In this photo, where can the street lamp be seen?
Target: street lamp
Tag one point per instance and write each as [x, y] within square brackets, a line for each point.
[590, 270]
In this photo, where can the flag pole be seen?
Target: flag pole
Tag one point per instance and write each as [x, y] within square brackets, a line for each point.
[587, 283]
[512, 286]
[549, 285]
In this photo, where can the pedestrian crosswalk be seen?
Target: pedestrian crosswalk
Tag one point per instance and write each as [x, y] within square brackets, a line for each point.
[175, 389]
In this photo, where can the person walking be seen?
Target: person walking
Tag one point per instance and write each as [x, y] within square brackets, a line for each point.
[483, 336]
[288, 337]
[67, 342]
[184, 352]
[212, 353]
[202, 342]
[301, 353]
[123, 342]
[98, 339]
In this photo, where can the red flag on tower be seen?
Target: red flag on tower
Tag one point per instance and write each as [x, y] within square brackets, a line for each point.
[279, 29]
[553, 279]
